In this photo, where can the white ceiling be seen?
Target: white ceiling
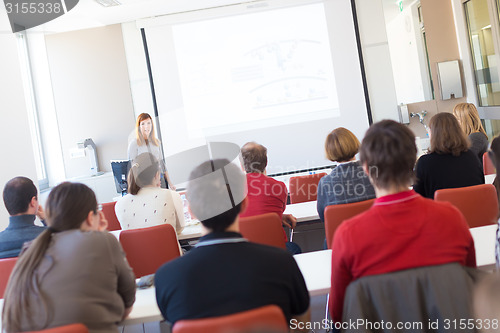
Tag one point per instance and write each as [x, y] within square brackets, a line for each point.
[89, 14]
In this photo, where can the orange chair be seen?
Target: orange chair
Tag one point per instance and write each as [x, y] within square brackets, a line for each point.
[72, 328]
[263, 229]
[149, 248]
[478, 203]
[488, 167]
[6, 266]
[109, 212]
[304, 188]
[268, 318]
[336, 214]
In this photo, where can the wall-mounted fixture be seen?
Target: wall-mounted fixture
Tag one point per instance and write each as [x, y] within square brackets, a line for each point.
[421, 117]
[450, 80]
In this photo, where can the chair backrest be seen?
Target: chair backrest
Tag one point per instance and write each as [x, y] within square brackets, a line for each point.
[418, 296]
[149, 248]
[263, 229]
[488, 167]
[304, 188]
[479, 203]
[268, 318]
[109, 212]
[6, 266]
[336, 214]
[72, 328]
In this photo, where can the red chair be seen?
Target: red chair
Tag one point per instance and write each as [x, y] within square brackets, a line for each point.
[304, 188]
[109, 212]
[149, 248]
[478, 203]
[72, 328]
[268, 318]
[6, 266]
[488, 167]
[336, 214]
[263, 229]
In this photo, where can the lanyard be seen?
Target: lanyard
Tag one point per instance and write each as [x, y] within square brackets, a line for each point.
[221, 241]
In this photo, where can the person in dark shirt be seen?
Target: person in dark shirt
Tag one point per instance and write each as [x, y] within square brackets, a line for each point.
[21, 200]
[224, 273]
[450, 163]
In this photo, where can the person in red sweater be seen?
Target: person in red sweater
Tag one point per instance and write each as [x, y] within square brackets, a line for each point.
[265, 194]
[402, 230]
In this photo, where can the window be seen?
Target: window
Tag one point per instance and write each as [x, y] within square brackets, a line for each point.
[31, 105]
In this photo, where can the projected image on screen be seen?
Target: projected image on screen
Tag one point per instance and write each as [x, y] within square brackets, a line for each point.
[262, 69]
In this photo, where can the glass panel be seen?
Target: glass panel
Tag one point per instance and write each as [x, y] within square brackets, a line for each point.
[483, 52]
[32, 112]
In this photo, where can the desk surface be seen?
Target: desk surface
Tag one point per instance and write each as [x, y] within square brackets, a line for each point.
[484, 242]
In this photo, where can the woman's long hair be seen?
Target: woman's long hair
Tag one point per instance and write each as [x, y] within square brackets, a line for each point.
[142, 172]
[468, 117]
[67, 207]
[139, 137]
[446, 135]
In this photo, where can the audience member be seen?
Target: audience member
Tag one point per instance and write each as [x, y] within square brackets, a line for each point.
[402, 229]
[21, 200]
[494, 154]
[468, 118]
[147, 204]
[265, 194]
[487, 303]
[71, 273]
[347, 182]
[225, 273]
[450, 162]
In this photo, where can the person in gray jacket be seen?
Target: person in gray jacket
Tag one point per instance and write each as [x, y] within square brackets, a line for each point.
[347, 182]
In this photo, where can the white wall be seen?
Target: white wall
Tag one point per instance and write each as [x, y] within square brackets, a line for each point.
[17, 151]
[92, 94]
[377, 60]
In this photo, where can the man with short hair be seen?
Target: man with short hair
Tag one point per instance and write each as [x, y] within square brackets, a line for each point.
[265, 194]
[21, 200]
[225, 273]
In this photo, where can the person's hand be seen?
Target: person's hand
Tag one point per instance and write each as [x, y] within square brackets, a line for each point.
[172, 187]
[126, 312]
[288, 220]
[103, 223]
[40, 213]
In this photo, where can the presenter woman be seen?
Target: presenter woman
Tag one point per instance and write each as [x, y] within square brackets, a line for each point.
[72, 272]
[146, 142]
[468, 118]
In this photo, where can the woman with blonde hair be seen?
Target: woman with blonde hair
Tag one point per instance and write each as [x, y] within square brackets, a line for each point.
[72, 272]
[468, 118]
[146, 142]
[450, 163]
[347, 182]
